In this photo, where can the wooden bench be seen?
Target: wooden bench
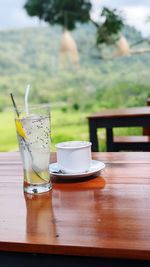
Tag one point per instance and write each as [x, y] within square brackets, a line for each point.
[116, 118]
[134, 143]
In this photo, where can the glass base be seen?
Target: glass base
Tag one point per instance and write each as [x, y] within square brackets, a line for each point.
[37, 189]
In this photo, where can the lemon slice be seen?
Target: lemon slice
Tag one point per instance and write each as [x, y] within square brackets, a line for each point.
[20, 129]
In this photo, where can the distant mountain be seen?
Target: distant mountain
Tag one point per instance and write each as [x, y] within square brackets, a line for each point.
[32, 55]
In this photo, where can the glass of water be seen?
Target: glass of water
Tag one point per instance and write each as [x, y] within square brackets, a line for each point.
[33, 132]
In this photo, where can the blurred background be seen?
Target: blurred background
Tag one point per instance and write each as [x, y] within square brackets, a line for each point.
[81, 56]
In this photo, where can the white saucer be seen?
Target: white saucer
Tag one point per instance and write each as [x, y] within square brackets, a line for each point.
[95, 167]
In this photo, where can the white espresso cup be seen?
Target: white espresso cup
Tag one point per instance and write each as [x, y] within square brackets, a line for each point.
[74, 156]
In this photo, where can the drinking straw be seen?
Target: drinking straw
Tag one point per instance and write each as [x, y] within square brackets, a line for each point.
[14, 104]
[26, 98]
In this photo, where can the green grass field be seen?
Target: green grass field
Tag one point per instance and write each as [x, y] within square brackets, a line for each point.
[8, 140]
[69, 125]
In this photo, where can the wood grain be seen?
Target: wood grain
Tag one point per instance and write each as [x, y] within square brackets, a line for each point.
[130, 112]
[106, 216]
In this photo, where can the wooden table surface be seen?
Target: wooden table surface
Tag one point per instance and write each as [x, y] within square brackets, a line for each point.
[105, 216]
[122, 112]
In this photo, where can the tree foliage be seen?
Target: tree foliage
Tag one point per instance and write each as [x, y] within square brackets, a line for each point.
[67, 13]
[108, 31]
[63, 12]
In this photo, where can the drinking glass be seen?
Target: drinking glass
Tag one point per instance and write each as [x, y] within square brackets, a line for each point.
[33, 133]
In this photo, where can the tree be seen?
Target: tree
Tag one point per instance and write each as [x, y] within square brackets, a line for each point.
[108, 31]
[67, 13]
[63, 12]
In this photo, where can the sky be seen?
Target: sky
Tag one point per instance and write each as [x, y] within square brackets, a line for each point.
[135, 12]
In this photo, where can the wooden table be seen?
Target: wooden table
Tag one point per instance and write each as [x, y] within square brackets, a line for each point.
[110, 118]
[106, 218]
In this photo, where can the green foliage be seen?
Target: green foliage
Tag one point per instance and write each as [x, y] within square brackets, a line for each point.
[33, 57]
[63, 12]
[76, 106]
[67, 13]
[109, 30]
